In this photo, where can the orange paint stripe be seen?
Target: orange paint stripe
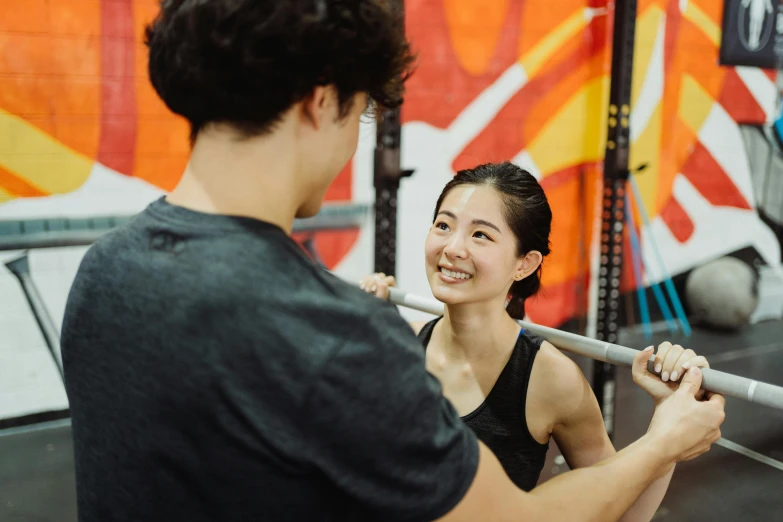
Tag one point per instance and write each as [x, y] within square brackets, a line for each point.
[17, 186]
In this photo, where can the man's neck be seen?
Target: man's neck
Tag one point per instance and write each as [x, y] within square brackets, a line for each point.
[254, 177]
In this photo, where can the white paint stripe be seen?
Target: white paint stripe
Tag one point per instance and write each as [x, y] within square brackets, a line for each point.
[720, 135]
[482, 110]
[761, 87]
[595, 257]
[742, 450]
[525, 161]
[739, 228]
[105, 193]
[652, 89]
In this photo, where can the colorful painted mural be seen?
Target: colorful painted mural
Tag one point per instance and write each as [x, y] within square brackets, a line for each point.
[525, 80]
[83, 133]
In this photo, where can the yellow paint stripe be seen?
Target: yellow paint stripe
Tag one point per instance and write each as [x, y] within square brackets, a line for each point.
[694, 105]
[576, 133]
[647, 28]
[646, 149]
[699, 18]
[539, 55]
[40, 159]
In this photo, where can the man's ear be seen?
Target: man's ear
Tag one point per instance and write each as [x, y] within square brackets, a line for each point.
[315, 106]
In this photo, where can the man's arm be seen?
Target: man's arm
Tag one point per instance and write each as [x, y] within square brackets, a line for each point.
[377, 426]
[599, 493]
[681, 429]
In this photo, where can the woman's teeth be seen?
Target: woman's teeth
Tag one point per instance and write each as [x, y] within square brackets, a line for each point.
[455, 275]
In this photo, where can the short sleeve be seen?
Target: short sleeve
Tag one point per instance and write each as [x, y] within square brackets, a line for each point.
[381, 429]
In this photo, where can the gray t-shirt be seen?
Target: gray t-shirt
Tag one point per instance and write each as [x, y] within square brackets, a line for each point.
[216, 373]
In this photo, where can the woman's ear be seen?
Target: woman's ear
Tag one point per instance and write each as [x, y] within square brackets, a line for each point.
[528, 264]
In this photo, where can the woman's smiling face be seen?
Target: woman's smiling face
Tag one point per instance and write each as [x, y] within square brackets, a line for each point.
[470, 252]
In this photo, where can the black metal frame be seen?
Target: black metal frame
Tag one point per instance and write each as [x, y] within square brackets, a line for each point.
[387, 177]
[613, 209]
[66, 232]
[20, 268]
[387, 174]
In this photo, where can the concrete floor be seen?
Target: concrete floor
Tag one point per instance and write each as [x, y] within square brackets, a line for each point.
[36, 464]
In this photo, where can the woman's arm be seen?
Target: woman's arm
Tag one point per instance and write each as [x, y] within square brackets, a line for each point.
[578, 427]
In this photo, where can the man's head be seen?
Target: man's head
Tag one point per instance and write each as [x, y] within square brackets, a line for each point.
[308, 68]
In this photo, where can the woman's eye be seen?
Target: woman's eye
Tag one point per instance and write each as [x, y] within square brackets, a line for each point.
[482, 235]
[441, 225]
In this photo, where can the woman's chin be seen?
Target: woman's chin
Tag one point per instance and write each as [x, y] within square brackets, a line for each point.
[447, 296]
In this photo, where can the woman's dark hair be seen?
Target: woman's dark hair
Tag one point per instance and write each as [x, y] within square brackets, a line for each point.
[245, 62]
[527, 214]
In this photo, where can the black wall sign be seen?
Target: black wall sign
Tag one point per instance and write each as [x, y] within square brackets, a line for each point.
[752, 33]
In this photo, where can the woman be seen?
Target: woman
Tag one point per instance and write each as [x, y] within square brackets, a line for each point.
[484, 253]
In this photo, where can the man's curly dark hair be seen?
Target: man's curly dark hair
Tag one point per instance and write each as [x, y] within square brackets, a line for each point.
[245, 62]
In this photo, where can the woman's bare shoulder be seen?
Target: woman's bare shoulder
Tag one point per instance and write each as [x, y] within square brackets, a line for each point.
[417, 326]
[557, 375]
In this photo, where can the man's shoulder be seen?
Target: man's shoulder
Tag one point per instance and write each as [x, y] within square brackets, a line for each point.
[330, 300]
[264, 283]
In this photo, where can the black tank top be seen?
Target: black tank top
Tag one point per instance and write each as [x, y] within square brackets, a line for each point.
[499, 422]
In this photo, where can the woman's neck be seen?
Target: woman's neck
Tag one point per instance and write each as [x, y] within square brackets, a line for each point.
[474, 331]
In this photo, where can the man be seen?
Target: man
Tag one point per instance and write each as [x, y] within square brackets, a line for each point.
[216, 373]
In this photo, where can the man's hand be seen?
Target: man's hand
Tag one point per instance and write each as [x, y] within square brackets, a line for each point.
[671, 362]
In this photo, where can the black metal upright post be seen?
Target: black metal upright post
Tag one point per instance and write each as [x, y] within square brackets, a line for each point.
[613, 210]
[387, 174]
[20, 267]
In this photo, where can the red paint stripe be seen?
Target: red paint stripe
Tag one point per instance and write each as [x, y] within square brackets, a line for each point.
[677, 220]
[331, 245]
[711, 180]
[563, 176]
[440, 88]
[504, 137]
[673, 21]
[556, 303]
[342, 187]
[117, 144]
[736, 98]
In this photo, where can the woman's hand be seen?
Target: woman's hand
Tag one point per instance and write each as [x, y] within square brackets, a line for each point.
[670, 363]
[378, 284]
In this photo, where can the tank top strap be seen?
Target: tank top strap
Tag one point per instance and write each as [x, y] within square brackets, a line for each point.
[425, 334]
[532, 345]
[508, 397]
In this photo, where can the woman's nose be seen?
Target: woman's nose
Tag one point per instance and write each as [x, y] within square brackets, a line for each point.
[455, 247]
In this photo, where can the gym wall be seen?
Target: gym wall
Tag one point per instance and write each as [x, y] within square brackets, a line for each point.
[82, 134]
